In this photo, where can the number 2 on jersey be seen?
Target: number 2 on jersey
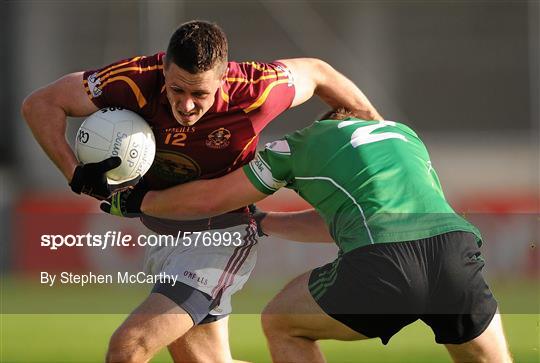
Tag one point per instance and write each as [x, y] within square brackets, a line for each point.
[363, 135]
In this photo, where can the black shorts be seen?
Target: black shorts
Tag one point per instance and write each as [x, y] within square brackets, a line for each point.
[196, 303]
[378, 289]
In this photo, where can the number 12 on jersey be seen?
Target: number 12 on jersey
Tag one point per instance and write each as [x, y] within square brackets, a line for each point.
[176, 138]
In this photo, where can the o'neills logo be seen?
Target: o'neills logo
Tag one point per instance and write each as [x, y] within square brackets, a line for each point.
[93, 85]
[219, 139]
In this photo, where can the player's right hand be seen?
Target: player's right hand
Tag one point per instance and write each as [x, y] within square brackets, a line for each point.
[90, 178]
[125, 203]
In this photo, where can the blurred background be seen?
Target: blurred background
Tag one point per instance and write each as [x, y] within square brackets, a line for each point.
[464, 74]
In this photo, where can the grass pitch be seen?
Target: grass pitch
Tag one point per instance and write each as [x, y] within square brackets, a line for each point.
[76, 337]
[83, 338]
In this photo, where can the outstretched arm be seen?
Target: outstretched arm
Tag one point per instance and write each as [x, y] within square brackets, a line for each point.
[207, 198]
[301, 226]
[202, 198]
[314, 76]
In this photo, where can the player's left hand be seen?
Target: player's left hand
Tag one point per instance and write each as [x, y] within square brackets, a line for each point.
[125, 203]
[90, 178]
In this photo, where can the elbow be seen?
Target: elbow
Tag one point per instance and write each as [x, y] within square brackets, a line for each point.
[27, 105]
[322, 69]
[325, 75]
[318, 64]
[32, 104]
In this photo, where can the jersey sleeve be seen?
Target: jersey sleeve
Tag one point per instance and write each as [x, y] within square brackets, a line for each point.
[129, 83]
[262, 90]
[271, 167]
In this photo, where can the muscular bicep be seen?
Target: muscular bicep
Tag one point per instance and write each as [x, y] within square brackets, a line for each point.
[305, 76]
[69, 95]
[314, 76]
[45, 112]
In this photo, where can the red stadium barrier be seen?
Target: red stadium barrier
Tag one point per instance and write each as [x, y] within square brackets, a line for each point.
[36, 215]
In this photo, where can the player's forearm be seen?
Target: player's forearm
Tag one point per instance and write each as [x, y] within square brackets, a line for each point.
[202, 198]
[338, 91]
[302, 226]
[183, 202]
[48, 125]
[194, 200]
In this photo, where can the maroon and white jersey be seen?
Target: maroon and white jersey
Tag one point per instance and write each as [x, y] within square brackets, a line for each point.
[224, 139]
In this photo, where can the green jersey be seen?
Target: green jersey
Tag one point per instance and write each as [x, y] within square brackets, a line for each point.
[371, 181]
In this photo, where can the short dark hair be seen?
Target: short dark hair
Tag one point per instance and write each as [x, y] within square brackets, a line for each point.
[339, 114]
[198, 46]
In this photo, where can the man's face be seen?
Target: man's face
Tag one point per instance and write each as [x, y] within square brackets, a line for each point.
[190, 95]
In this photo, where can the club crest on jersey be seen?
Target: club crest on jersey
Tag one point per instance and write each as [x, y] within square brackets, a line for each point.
[218, 139]
[173, 168]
